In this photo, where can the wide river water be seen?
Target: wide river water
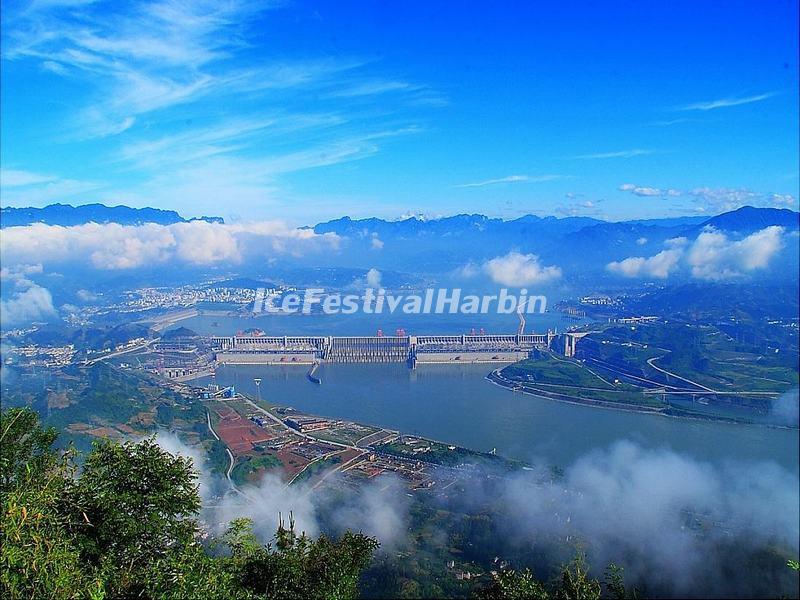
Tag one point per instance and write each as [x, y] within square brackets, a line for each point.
[455, 404]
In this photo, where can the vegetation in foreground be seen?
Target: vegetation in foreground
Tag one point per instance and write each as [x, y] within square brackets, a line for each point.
[126, 525]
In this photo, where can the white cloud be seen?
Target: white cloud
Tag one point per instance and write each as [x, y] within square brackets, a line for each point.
[619, 499]
[376, 242]
[641, 241]
[113, 247]
[676, 242]
[669, 122]
[579, 208]
[378, 508]
[32, 303]
[202, 168]
[727, 102]
[786, 200]
[86, 295]
[713, 256]
[724, 199]
[517, 270]
[640, 190]
[714, 199]
[468, 271]
[658, 266]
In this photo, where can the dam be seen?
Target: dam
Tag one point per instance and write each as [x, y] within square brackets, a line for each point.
[411, 349]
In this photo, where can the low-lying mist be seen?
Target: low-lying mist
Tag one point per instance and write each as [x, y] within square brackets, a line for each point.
[679, 526]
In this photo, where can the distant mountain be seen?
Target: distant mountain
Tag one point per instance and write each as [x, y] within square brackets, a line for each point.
[441, 245]
[458, 225]
[749, 219]
[64, 214]
[671, 221]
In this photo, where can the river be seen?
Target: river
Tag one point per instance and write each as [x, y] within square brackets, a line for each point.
[455, 404]
[368, 324]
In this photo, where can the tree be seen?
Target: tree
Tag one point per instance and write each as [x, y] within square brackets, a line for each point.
[39, 558]
[139, 503]
[126, 527]
[514, 585]
[573, 583]
[297, 566]
[25, 448]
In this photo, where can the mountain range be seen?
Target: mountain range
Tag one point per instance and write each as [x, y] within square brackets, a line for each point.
[437, 245]
[579, 245]
[66, 215]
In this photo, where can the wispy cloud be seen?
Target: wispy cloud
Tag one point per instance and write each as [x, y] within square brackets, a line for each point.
[187, 86]
[223, 182]
[225, 137]
[670, 122]
[28, 189]
[616, 154]
[512, 179]
[16, 178]
[139, 59]
[727, 102]
[375, 87]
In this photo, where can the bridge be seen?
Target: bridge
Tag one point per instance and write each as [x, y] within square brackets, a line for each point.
[262, 349]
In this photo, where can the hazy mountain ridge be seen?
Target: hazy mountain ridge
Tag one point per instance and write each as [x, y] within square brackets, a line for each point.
[67, 215]
[749, 219]
[450, 242]
[746, 218]
[580, 246]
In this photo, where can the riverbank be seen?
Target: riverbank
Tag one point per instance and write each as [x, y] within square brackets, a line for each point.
[496, 378]
[455, 404]
[667, 411]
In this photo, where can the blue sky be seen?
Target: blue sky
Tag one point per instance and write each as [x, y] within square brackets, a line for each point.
[305, 111]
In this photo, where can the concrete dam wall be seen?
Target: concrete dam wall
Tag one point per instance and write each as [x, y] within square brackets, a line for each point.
[377, 349]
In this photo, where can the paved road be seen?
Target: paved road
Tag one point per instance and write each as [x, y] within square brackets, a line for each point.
[689, 381]
[230, 457]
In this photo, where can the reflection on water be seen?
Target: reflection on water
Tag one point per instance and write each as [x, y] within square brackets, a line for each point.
[454, 403]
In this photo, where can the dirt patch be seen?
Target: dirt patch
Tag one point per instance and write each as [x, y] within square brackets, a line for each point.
[239, 434]
[292, 463]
